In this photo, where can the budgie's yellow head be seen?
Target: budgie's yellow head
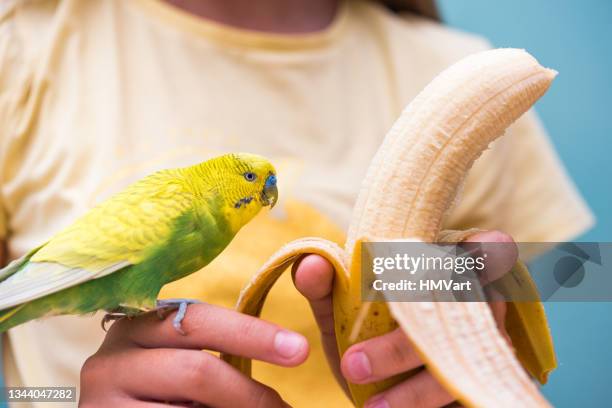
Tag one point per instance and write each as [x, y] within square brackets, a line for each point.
[244, 182]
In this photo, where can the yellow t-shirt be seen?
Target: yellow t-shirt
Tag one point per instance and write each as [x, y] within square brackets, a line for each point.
[95, 94]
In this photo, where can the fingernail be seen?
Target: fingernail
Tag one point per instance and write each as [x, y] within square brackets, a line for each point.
[288, 344]
[377, 402]
[359, 366]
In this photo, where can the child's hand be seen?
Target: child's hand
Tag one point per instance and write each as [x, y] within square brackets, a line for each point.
[390, 354]
[145, 359]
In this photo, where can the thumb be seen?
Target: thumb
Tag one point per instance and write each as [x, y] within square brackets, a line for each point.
[313, 277]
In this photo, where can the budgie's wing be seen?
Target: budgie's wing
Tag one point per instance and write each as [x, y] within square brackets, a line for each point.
[116, 234]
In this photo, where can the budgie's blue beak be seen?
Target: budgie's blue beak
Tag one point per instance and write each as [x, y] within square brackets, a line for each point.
[269, 194]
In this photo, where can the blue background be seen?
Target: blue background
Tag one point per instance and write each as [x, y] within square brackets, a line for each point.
[572, 37]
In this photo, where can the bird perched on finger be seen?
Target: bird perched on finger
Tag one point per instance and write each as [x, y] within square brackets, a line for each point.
[118, 256]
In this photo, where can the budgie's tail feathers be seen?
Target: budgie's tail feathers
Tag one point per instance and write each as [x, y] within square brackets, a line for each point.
[33, 280]
[6, 314]
[16, 264]
[19, 314]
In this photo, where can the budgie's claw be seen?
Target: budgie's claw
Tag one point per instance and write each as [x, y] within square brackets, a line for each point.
[165, 305]
[110, 317]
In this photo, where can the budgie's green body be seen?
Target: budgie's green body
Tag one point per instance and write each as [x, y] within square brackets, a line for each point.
[120, 254]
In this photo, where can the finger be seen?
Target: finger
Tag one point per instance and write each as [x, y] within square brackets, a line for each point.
[419, 391]
[187, 375]
[499, 308]
[102, 398]
[378, 358]
[216, 328]
[498, 250]
[313, 276]
[124, 403]
[132, 403]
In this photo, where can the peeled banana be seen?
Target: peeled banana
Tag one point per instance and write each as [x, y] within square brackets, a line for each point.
[411, 183]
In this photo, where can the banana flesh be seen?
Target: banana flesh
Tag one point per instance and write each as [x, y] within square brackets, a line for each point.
[411, 182]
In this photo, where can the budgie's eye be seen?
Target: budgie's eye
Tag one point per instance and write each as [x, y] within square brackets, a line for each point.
[250, 176]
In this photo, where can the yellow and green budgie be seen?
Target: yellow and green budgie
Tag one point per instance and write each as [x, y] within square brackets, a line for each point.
[118, 255]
